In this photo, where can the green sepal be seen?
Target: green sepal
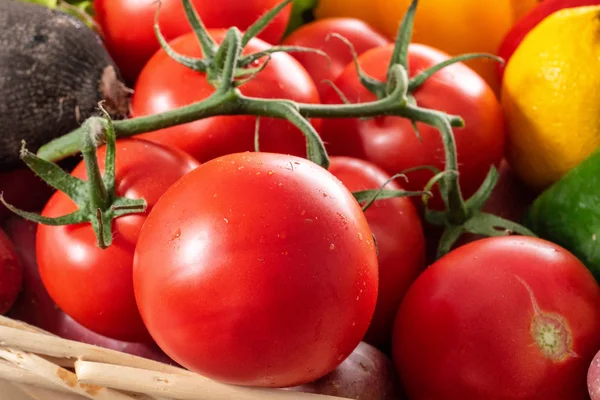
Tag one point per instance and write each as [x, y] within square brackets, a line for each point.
[257, 27]
[337, 90]
[440, 179]
[56, 177]
[76, 217]
[206, 41]
[196, 64]
[371, 84]
[250, 58]
[372, 195]
[449, 237]
[487, 224]
[420, 78]
[249, 72]
[123, 206]
[477, 201]
[403, 38]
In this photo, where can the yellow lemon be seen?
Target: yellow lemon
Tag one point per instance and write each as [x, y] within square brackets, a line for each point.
[453, 26]
[551, 96]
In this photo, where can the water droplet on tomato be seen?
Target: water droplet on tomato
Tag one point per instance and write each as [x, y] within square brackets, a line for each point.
[226, 220]
[271, 172]
[332, 247]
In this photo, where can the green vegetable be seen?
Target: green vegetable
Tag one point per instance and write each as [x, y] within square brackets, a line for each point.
[568, 213]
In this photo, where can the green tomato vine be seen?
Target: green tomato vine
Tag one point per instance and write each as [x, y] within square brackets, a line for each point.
[227, 68]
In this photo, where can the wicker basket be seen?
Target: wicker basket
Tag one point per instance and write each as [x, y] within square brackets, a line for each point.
[36, 365]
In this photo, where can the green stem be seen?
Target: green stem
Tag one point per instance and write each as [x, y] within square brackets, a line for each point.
[233, 39]
[457, 211]
[99, 198]
[217, 104]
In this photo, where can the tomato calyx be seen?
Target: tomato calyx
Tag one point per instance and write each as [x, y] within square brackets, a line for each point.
[96, 198]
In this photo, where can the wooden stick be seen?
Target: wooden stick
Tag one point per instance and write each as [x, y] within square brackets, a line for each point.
[59, 376]
[178, 387]
[14, 374]
[38, 393]
[13, 323]
[54, 346]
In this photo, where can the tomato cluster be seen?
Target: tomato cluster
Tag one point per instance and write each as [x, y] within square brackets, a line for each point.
[258, 267]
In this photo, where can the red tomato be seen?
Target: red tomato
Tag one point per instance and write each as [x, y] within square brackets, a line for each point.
[264, 274]
[521, 28]
[24, 190]
[314, 35]
[400, 242]
[128, 25]
[92, 285]
[391, 143]
[165, 85]
[11, 273]
[34, 306]
[506, 318]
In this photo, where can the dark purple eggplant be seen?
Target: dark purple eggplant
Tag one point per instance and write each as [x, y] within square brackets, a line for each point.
[54, 70]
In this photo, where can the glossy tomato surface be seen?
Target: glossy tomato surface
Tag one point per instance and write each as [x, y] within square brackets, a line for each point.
[397, 228]
[257, 269]
[128, 25]
[165, 85]
[318, 35]
[505, 318]
[391, 142]
[92, 285]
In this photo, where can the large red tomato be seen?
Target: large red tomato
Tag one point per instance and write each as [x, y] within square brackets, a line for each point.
[257, 269]
[397, 228]
[315, 36]
[34, 306]
[391, 142]
[128, 25]
[506, 318]
[92, 285]
[165, 85]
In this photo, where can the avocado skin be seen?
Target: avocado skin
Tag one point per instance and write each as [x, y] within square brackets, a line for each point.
[54, 70]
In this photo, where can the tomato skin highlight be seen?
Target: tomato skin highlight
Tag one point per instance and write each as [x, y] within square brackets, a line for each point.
[92, 285]
[165, 85]
[315, 36]
[465, 329]
[392, 144]
[128, 25]
[398, 231]
[265, 274]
